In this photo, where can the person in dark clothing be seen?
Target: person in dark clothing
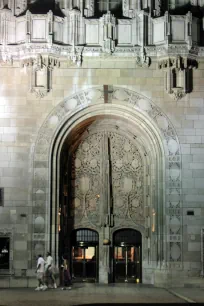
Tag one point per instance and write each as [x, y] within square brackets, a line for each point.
[66, 274]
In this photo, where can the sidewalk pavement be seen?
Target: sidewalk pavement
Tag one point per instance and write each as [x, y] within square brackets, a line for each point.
[190, 295]
[94, 294]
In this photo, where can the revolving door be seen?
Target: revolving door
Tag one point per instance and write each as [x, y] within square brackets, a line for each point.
[127, 256]
[85, 255]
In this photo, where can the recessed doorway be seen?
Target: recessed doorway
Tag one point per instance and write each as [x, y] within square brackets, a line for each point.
[85, 255]
[127, 256]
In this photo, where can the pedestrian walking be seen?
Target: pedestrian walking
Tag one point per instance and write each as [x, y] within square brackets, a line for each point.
[40, 273]
[66, 274]
[49, 271]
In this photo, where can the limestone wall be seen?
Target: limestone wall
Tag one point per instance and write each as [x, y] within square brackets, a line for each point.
[22, 115]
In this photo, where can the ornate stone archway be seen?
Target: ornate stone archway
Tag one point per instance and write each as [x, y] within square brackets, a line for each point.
[156, 128]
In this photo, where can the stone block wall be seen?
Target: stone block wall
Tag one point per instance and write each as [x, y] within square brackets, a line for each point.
[22, 115]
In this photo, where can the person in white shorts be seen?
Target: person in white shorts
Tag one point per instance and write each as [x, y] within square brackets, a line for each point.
[49, 270]
[40, 273]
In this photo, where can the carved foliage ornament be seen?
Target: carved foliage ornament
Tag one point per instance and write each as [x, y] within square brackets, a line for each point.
[178, 75]
[99, 163]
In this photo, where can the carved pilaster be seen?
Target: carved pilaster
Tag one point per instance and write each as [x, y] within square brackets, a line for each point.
[157, 8]
[130, 8]
[143, 60]
[75, 55]
[89, 8]
[28, 27]
[6, 36]
[178, 75]
[108, 28]
[75, 24]
[16, 6]
[50, 27]
[40, 72]
[189, 23]
[19, 6]
[5, 18]
[68, 5]
[167, 28]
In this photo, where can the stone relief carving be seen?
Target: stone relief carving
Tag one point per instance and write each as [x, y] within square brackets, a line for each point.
[130, 8]
[86, 7]
[75, 55]
[135, 100]
[127, 176]
[22, 32]
[178, 75]
[16, 6]
[157, 9]
[40, 70]
[143, 60]
[108, 25]
[89, 9]
[86, 179]
[20, 39]
[118, 169]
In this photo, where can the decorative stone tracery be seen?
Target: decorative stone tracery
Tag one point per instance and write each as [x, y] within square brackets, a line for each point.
[107, 159]
[77, 35]
[138, 104]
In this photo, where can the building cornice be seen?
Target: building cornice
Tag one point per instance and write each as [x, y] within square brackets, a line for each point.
[74, 38]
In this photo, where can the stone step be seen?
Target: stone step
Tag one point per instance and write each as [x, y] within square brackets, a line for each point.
[194, 282]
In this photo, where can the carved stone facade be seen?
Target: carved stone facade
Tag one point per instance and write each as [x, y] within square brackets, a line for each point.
[148, 33]
[101, 108]
[178, 75]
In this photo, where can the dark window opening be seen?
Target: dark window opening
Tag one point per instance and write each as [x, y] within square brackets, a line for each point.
[127, 237]
[190, 213]
[86, 236]
[115, 6]
[4, 253]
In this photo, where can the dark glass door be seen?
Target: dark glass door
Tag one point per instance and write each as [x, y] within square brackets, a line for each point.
[84, 263]
[4, 253]
[127, 264]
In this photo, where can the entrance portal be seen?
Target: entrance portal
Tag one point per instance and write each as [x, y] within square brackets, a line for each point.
[127, 256]
[102, 185]
[85, 255]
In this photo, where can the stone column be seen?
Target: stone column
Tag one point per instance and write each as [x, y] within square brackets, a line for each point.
[104, 256]
[104, 249]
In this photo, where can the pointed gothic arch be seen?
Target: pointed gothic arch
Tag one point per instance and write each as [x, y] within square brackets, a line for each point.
[156, 133]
